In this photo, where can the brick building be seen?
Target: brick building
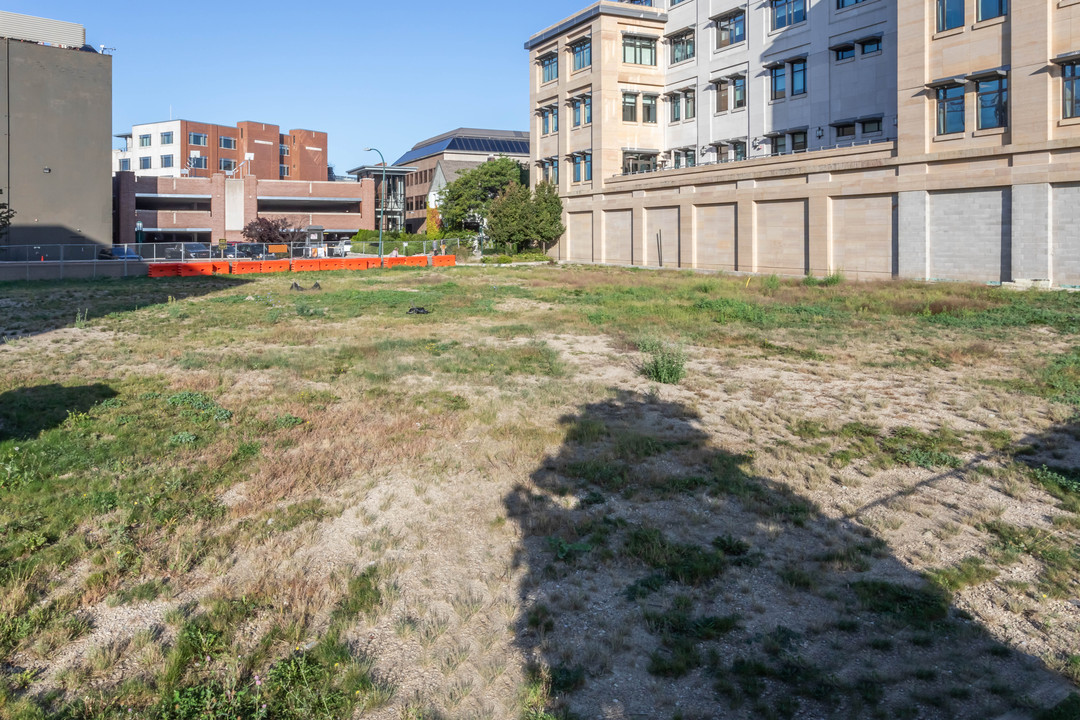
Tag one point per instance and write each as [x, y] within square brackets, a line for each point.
[182, 148]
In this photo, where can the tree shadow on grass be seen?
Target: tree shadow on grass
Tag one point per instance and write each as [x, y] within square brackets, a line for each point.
[28, 411]
[664, 579]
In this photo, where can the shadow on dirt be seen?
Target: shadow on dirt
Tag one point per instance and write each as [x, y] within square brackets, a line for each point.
[28, 411]
[666, 580]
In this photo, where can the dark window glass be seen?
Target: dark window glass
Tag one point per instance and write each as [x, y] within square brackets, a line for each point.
[730, 30]
[787, 12]
[1071, 100]
[629, 107]
[648, 108]
[993, 103]
[798, 77]
[845, 53]
[639, 51]
[778, 82]
[987, 9]
[950, 110]
[950, 14]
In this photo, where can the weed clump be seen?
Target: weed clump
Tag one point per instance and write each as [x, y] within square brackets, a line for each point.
[666, 364]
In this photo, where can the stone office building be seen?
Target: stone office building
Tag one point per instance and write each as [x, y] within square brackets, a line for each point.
[937, 139]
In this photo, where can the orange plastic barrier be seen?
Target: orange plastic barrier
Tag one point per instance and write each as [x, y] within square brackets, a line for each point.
[357, 263]
[444, 260]
[332, 264]
[196, 269]
[416, 261]
[275, 266]
[247, 267]
[158, 270]
[221, 268]
[305, 265]
[394, 262]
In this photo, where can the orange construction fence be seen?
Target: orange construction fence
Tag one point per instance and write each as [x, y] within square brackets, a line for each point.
[275, 266]
[221, 268]
[416, 261]
[305, 265]
[196, 269]
[247, 267]
[332, 264]
[164, 270]
[443, 260]
[394, 262]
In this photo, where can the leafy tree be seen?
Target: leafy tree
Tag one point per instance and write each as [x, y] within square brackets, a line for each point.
[547, 215]
[511, 216]
[273, 231]
[466, 200]
[6, 214]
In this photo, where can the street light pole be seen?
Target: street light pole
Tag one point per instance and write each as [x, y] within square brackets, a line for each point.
[382, 217]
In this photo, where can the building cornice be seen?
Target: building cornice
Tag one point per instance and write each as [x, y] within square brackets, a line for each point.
[600, 8]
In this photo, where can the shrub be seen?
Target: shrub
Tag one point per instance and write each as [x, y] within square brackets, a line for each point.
[666, 364]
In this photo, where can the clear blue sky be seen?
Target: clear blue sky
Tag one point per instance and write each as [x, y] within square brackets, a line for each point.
[381, 74]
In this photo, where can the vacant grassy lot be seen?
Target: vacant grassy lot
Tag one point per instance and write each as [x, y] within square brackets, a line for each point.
[565, 493]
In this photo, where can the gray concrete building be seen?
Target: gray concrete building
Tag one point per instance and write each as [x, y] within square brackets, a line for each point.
[56, 120]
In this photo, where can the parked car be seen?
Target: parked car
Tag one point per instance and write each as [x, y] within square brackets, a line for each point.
[119, 252]
[229, 253]
[254, 251]
[183, 251]
[341, 249]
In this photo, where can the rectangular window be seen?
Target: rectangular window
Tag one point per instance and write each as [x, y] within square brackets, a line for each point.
[787, 12]
[691, 158]
[166, 138]
[144, 163]
[798, 77]
[144, 141]
[993, 103]
[555, 171]
[586, 109]
[197, 139]
[588, 166]
[845, 131]
[778, 82]
[738, 150]
[721, 96]
[629, 107]
[798, 141]
[871, 127]
[950, 110]
[554, 118]
[166, 161]
[197, 163]
[950, 14]
[779, 145]
[870, 47]
[226, 165]
[845, 52]
[227, 143]
[549, 67]
[986, 9]
[577, 168]
[841, 4]
[648, 108]
[730, 30]
[545, 121]
[682, 47]
[639, 50]
[284, 150]
[125, 165]
[678, 159]
[576, 106]
[634, 162]
[582, 54]
[546, 172]
[675, 101]
[1071, 98]
[283, 170]
[690, 99]
[738, 92]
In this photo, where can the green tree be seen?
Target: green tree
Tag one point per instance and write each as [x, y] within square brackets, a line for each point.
[547, 215]
[511, 217]
[465, 202]
[6, 214]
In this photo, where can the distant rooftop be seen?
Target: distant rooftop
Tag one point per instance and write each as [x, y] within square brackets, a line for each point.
[42, 30]
[470, 140]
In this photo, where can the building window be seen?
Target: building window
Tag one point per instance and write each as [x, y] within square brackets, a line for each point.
[844, 52]
[721, 96]
[582, 54]
[950, 14]
[986, 9]
[1071, 98]
[787, 12]
[869, 47]
[950, 110]
[730, 30]
[227, 143]
[545, 121]
[226, 165]
[676, 107]
[545, 172]
[197, 163]
[125, 165]
[284, 150]
[871, 127]
[586, 109]
[845, 131]
[682, 47]
[577, 168]
[166, 161]
[283, 171]
[588, 166]
[144, 163]
[639, 50]
[637, 162]
[678, 159]
[738, 150]
[841, 4]
[197, 139]
[575, 104]
[798, 77]
[166, 138]
[993, 103]
[648, 109]
[555, 171]
[779, 145]
[738, 92]
[798, 141]
[778, 82]
[549, 67]
[629, 107]
[144, 141]
[689, 97]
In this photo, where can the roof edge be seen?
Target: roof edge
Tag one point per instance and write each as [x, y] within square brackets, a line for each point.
[604, 7]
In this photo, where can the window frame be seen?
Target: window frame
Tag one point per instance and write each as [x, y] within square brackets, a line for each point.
[675, 113]
[167, 138]
[198, 163]
[166, 162]
[845, 131]
[1001, 9]
[650, 102]
[690, 104]
[581, 53]
[729, 24]
[638, 44]
[866, 126]
[797, 144]
[777, 83]
[146, 162]
[548, 61]
[222, 163]
[722, 97]
[125, 164]
[947, 18]
[798, 70]
[145, 140]
[683, 47]
[866, 45]
[738, 92]
[1070, 90]
[193, 141]
[1000, 108]
[222, 139]
[787, 13]
[632, 107]
[943, 100]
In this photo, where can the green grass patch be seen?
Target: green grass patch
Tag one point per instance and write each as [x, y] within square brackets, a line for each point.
[906, 605]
